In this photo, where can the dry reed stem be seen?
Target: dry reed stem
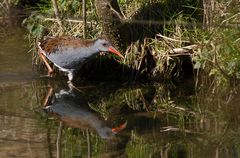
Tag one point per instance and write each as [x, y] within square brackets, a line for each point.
[84, 19]
[171, 39]
[182, 50]
[68, 20]
[56, 11]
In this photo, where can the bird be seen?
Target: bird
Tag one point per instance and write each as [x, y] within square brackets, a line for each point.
[70, 53]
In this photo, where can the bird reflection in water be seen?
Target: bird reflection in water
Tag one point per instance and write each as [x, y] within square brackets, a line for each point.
[72, 110]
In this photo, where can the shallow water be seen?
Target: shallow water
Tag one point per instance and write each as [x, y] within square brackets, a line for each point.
[44, 118]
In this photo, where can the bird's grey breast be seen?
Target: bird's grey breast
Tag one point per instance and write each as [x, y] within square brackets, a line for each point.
[71, 57]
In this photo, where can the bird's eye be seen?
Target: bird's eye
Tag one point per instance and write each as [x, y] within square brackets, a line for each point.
[105, 44]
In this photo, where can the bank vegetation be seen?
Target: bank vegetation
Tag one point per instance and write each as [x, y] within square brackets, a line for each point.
[161, 39]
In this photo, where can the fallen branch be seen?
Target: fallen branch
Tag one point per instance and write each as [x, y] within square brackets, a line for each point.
[171, 39]
[183, 50]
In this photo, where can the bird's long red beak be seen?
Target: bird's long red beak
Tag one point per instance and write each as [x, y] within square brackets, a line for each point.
[114, 51]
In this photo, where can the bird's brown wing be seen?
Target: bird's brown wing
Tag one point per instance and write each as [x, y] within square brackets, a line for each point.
[53, 45]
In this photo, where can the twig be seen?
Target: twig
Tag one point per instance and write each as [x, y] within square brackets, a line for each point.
[182, 54]
[170, 39]
[175, 129]
[230, 18]
[119, 15]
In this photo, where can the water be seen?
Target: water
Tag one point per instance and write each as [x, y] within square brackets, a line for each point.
[44, 118]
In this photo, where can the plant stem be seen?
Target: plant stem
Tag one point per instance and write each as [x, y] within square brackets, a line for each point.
[56, 11]
[84, 18]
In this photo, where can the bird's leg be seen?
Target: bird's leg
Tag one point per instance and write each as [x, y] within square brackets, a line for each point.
[102, 53]
[70, 84]
[50, 70]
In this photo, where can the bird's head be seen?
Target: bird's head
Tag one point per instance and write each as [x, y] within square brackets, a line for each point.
[105, 46]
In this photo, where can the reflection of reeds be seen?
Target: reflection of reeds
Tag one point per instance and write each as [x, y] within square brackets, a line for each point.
[189, 122]
[139, 98]
[10, 14]
[4, 9]
[207, 123]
